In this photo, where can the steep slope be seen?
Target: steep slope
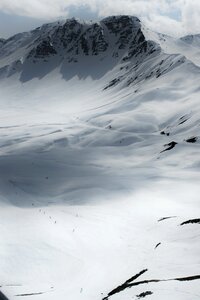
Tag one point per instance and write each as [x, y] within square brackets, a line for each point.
[99, 163]
[187, 46]
[2, 42]
[191, 39]
[102, 46]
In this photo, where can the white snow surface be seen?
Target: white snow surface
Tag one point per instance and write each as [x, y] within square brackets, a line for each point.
[84, 181]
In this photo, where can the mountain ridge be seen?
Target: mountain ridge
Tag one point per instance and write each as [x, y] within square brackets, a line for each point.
[115, 40]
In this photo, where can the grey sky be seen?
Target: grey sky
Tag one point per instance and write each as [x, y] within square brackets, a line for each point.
[175, 17]
[11, 24]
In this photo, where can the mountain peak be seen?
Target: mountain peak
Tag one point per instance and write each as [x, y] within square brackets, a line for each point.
[121, 18]
[113, 41]
[193, 39]
[73, 37]
[2, 41]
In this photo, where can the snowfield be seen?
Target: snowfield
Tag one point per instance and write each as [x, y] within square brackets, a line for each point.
[99, 160]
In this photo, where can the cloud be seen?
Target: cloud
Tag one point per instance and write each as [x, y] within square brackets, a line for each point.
[191, 16]
[174, 17]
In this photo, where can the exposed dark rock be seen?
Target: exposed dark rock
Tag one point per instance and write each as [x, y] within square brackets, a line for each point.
[112, 83]
[192, 221]
[166, 218]
[157, 245]
[99, 44]
[131, 282]
[30, 294]
[2, 41]
[139, 46]
[121, 35]
[192, 140]
[116, 24]
[169, 146]
[189, 278]
[124, 285]
[84, 45]
[2, 296]
[44, 49]
[182, 120]
[164, 133]
[66, 35]
[144, 294]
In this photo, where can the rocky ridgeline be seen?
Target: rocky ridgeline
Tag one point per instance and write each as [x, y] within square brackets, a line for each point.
[2, 41]
[120, 36]
[116, 40]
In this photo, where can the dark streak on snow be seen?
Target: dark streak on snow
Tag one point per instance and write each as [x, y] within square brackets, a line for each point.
[192, 139]
[125, 285]
[30, 294]
[144, 294]
[189, 278]
[164, 133]
[157, 245]
[170, 146]
[166, 218]
[192, 221]
[129, 283]
[183, 120]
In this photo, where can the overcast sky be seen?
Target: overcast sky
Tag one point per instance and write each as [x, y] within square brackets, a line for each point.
[175, 17]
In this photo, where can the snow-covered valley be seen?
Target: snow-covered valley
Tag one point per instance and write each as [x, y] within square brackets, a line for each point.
[99, 160]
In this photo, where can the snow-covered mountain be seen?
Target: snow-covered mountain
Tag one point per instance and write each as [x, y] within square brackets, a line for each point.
[99, 160]
[111, 42]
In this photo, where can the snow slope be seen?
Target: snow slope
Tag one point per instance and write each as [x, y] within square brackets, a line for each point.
[189, 45]
[99, 159]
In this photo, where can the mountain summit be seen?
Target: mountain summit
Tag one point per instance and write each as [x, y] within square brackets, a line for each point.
[96, 47]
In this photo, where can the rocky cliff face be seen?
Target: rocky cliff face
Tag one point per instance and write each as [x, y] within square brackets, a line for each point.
[116, 40]
[2, 42]
[73, 38]
[115, 35]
